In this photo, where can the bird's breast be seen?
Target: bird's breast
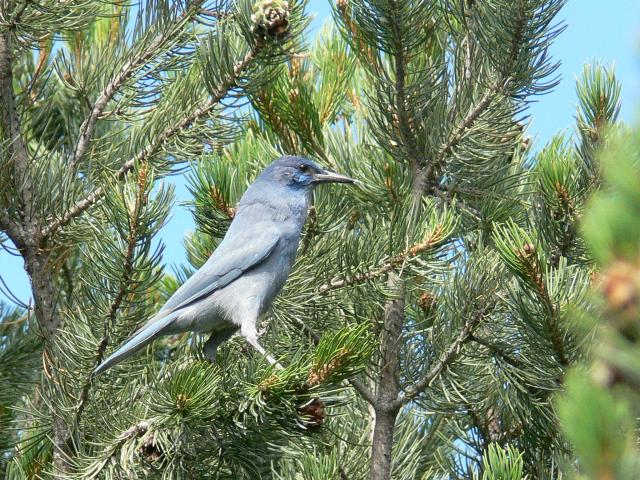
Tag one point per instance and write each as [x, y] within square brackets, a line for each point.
[250, 295]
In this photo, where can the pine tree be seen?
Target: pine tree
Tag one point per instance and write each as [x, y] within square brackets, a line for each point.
[598, 411]
[433, 311]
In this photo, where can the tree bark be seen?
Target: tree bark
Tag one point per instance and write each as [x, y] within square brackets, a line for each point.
[26, 231]
[382, 445]
[27, 237]
[388, 388]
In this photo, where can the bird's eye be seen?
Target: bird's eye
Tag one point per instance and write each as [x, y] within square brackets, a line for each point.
[303, 168]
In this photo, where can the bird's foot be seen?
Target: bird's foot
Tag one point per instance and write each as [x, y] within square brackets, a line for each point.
[254, 343]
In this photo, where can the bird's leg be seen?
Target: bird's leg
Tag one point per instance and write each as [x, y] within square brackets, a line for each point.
[211, 348]
[254, 343]
[252, 337]
[217, 337]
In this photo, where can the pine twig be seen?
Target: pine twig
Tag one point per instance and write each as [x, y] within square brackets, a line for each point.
[496, 350]
[458, 133]
[126, 278]
[416, 249]
[535, 274]
[364, 391]
[404, 122]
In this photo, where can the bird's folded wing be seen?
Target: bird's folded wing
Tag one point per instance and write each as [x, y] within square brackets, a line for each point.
[229, 261]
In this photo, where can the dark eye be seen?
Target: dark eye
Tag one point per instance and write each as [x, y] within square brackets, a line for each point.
[303, 168]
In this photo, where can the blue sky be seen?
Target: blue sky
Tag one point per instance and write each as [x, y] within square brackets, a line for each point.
[596, 30]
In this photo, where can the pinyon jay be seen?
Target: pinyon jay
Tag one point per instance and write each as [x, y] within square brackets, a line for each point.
[238, 283]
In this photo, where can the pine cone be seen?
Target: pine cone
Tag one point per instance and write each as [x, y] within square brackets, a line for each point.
[270, 18]
[313, 412]
[427, 301]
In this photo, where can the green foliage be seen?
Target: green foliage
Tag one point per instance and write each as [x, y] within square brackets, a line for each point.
[502, 464]
[20, 356]
[598, 411]
[599, 428]
[609, 227]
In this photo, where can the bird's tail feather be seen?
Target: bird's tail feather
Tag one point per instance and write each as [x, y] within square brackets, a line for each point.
[140, 339]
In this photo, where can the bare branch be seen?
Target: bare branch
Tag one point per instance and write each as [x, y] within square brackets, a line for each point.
[12, 229]
[128, 69]
[364, 391]
[156, 144]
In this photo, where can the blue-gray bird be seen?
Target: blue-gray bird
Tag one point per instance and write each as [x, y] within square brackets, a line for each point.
[238, 283]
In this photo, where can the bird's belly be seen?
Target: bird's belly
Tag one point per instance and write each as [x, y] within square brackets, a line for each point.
[246, 298]
[203, 316]
[250, 296]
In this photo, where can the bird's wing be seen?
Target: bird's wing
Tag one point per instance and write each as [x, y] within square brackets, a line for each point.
[243, 250]
[228, 262]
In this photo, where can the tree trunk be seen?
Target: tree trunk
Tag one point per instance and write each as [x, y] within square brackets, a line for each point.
[44, 291]
[382, 445]
[45, 299]
[26, 232]
[387, 383]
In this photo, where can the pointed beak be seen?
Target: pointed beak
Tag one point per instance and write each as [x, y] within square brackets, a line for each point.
[332, 177]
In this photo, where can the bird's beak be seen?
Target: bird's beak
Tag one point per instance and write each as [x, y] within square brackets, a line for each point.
[332, 177]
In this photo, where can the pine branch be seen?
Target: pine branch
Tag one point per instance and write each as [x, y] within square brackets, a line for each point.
[125, 280]
[556, 340]
[466, 73]
[446, 358]
[41, 11]
[359, 43]
[500, 85]
[14, 19]
[128, 69]
[458, 133]
[404, 123]
[416, 249]
[135, 431]
[12, 229]
[156, 144]
[535, 275]
[496, 350]
[364, 391]
[358, 278]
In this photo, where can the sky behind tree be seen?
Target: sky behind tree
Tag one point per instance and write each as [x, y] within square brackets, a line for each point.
[608, 32]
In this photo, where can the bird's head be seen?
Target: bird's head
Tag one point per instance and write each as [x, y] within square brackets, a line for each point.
[300, 173]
